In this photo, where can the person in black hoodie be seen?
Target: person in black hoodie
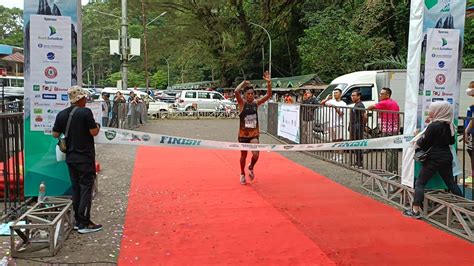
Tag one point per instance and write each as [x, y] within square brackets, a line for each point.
[436, 139]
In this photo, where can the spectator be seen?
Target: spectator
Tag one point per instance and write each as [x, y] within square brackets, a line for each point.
[80, 155]
[288, 99]
[435, 140]
[119, 104]
[105, 109]
[131, 110]
[336, 118]
[389, 123]
[469, 131]
[309, 107]
[358, 120]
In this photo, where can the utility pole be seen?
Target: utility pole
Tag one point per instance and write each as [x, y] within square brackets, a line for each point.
[145, 45]
[124, 45]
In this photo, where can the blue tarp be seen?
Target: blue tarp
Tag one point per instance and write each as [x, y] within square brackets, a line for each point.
[6, 49]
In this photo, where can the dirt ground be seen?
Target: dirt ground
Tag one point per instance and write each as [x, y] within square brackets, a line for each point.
[110, 203]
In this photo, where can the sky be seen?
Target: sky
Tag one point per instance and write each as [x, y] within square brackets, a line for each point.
[19, 3]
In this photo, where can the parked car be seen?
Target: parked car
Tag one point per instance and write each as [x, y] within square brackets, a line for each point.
[198, 100]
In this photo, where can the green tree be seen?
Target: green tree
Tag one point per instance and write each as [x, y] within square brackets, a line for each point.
[11, 26]
[159, 80]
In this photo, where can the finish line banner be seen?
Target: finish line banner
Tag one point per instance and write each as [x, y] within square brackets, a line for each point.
[129, 137]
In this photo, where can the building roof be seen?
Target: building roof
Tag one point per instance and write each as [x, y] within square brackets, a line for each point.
[194, 85]
[290, 83]
[16, 57]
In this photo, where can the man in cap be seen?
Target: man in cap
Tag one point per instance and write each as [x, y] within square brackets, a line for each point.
[80, 155]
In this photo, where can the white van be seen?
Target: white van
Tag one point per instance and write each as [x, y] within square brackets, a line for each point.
[371, 82]
[155, 108]
[199, 100]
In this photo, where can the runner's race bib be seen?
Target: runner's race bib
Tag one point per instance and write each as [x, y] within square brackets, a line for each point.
[251, 121]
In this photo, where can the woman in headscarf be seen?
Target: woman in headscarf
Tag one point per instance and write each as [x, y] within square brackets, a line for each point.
[436, 140]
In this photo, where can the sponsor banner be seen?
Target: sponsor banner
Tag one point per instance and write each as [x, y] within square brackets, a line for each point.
[130, 137]
[52, 49]
[289, 122]
[441, 68]
[435, 46]
[50, 69]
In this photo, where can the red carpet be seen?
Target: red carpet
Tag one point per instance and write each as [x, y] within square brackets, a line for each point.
[187, 207]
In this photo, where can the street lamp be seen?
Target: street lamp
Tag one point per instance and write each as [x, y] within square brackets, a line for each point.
[123, 41]
[145, 25]
[270, 50]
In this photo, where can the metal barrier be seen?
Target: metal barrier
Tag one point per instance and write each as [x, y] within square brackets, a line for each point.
[11, 107]
[11, 162]
[322, 124]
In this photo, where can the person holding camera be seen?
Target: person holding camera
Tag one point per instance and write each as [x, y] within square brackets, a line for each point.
[80, 155]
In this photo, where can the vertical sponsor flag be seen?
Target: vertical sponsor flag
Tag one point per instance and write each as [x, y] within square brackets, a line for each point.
[51, 49]
[434, 68]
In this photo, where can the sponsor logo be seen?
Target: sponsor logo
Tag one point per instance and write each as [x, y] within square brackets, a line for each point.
[427, 93]
[440, 79]
[450, 100]
[398, 140]
[40, 104]
[49, 96]
[46, 88]
[441, 56]
[180, 141]
[64, 97]
[52, 31]
[61, 104]
[59, 89]
[36, 87]
[50, 82]
[39, 118]
[110, 134]
[440, 88]
[288, 147]
[446, 94]
[436, 93]
[441, 64]
[234, 145]
[431, 3]
[50, 46]
[52, 35]
[52, 111]
[37, 111]
[51, 72]
[444, 43]
[447, 6]
[37, 96]
[437, 99]
[146, 137]
[358, 143]
[50, 56]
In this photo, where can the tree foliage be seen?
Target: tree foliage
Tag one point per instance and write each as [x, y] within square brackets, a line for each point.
[216, 40]
[11, 26]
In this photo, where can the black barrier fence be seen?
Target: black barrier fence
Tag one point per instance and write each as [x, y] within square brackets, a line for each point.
[11, 106]
[11, 162]
[323, 124]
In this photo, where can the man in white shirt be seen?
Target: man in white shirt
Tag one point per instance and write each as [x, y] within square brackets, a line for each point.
[336, 117]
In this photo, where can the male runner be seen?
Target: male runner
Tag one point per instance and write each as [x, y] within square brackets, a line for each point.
[248, 128]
